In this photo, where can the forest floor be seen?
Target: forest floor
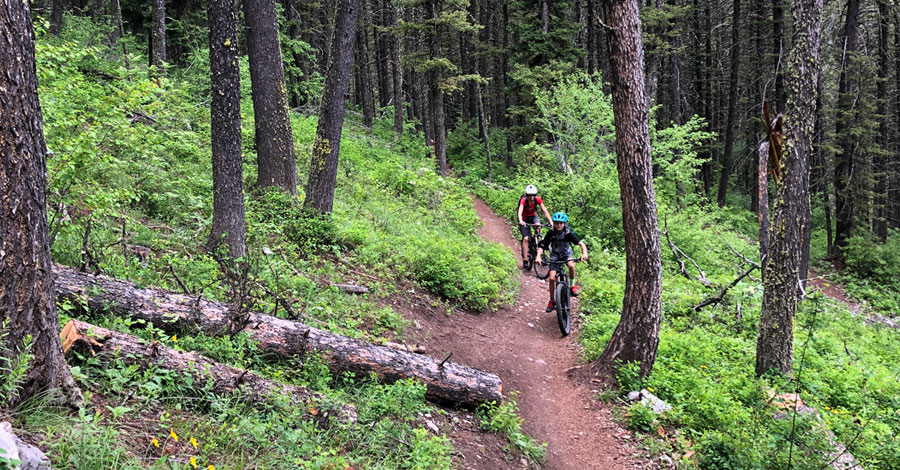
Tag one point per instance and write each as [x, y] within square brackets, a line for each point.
[523, 345]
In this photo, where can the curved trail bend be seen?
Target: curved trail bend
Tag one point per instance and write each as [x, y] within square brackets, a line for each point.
[523, 345]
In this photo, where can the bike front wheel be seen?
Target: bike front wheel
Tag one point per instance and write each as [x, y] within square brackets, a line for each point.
[563, 311]
[542, 271]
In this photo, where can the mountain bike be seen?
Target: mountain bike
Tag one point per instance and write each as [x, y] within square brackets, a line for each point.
[562, 296]
[542, 271]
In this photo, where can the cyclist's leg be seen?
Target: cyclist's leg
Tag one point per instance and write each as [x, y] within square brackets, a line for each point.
[526, 232]
[552, 282]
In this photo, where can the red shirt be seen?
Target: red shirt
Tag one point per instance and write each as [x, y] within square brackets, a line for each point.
[530, 208]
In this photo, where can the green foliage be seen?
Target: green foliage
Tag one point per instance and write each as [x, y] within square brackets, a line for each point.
[15, 357]
[505, 419]
[875, 270]
[641, 418]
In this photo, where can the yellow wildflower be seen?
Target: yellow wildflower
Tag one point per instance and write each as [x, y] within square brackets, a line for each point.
[154, 442]
[194, 462]
[650, 388]
[211, 467]
[174, 338]
[174, 436]
[194, 442]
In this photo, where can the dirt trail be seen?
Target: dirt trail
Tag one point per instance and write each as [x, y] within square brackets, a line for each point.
[523, 345]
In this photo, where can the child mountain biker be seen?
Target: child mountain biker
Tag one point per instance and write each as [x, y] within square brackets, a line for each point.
[527, 214]
[559, 241]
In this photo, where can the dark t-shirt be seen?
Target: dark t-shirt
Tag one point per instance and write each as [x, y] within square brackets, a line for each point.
[530, 208]
[559, 241]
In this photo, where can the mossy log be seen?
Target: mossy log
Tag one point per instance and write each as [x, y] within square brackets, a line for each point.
[108, 345]
[446, 382]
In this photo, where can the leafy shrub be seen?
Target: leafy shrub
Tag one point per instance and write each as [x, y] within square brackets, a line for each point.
[641, 418]
[504, 419]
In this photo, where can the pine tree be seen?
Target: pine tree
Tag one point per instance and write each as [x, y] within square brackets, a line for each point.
[27, 294]
[274, 138]
[225, 119]
[636, 337]
[326, 147]
[781, 281]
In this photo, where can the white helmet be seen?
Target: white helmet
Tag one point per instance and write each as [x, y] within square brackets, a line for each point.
[530, 190]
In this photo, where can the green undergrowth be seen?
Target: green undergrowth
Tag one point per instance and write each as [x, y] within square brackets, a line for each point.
[722, 415]
[130, 194]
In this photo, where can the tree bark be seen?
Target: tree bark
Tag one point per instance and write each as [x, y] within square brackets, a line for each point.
[732, 102]
[382, 51]
[446, 382]
[844, 175]
[781, 282]
[881, 157]
[435, 95]
[763, 186]
[327, 145]
[228, 223]
[27, 300]
[274, 137]
[397, 69]
[158, 34]
[484, 131]
[364, 82]
[56, 16]
[636, 337]
[778, 52]
[108, 346]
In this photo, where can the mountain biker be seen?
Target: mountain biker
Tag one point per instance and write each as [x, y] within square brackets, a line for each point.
[559, 241]
[527, 214]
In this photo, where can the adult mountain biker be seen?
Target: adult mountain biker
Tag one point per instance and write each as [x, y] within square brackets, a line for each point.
[527, 214]
[559, 241]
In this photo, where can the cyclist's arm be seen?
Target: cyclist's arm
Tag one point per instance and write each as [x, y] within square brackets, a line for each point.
[546, 212]
[584, 251]
[521, 206]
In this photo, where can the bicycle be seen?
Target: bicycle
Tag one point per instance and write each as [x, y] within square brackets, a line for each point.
[542, 271]
[563, 307]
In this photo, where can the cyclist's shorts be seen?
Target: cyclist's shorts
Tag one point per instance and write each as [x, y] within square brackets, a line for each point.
[526, 230]
[561, 257]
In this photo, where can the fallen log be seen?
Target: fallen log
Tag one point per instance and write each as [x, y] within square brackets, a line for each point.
[351, 288]
[446, 382]
[109, 345]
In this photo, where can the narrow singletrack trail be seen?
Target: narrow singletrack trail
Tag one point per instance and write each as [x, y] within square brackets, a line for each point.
[523, 345]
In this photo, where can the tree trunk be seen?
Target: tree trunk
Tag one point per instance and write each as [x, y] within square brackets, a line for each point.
[636, 337]
[820, 171]
[592, 45]
[484, 131]
[882, 161]
[225, 127]
[56, 16]
[397, 69]
[435, 95]
[778, 52]
[446, 382]
[107, 347]
[383, 52]
[367, 99]
[844, 175]
[327, 145]
[763, 185]
[158, 35]
[27, 299]
[732, 102]
[274, 137]
[781, 282]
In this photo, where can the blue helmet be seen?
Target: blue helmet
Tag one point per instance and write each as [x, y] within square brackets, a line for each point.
[560, 217]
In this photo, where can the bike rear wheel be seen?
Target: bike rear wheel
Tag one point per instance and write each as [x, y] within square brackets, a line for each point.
[542, 271]
[563, 312]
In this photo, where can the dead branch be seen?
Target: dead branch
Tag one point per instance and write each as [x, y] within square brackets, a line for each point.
[718, 297]
[678, 257]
